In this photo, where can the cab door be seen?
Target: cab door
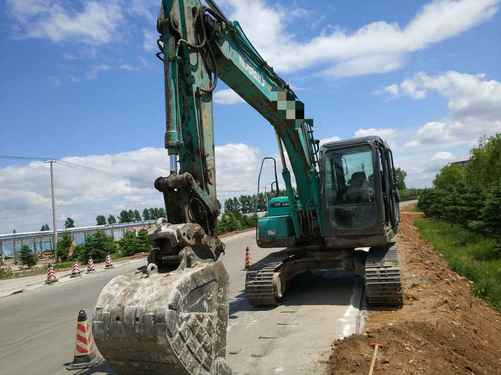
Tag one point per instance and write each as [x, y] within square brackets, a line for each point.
[391, 196]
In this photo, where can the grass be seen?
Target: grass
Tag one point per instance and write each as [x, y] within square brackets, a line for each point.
[470, 254]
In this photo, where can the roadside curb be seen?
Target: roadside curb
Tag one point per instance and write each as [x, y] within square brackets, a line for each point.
[63, 278]
[11, 293]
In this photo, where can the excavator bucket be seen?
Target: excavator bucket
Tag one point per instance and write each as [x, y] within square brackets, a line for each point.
[172, 323]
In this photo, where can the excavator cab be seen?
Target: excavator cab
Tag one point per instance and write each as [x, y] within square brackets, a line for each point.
[359, 194]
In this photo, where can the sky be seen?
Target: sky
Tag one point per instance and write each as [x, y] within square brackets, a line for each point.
[80, 83]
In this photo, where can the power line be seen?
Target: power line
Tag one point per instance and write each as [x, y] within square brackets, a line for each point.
[20, 157]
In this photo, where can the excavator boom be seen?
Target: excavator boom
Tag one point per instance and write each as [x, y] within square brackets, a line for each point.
[199, 46]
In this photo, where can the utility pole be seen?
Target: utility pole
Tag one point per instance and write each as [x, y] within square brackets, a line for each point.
[54, 229]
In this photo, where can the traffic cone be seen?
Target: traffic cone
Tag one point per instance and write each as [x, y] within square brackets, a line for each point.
[90, 266]
[107, 263]
[248, 260]
[75, 270]
[51, 275]
[85, 351]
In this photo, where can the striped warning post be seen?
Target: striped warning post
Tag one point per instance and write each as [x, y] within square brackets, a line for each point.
[108, 263]
[247, 258]
[51, 275]
[85, 352]
[90, 266]
[75, 270]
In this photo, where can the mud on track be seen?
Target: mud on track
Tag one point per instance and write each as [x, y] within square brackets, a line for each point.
[441, 329]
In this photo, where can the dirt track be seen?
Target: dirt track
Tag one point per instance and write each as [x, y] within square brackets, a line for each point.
[441, 329]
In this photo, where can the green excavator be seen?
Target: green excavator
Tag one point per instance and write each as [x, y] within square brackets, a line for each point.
[340, 210]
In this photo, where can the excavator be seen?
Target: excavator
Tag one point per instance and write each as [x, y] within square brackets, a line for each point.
[340, 210]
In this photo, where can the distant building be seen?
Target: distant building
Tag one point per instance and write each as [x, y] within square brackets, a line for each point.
[462, 163]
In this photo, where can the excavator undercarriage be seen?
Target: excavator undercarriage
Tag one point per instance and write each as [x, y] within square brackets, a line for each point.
[267, 280]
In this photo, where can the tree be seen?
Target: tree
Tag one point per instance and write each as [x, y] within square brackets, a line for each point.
[484, 167]
[132, 243]
[491, 213]
[27, 257]
[69, 223]
[137, 216]
[45, 228]
[146, 214]
[161, 212]
[450, 176]
[400, 176]
[152, 213]
[101, 220]
[112, 219]
[130, 213]
[124, 217]
[64, 245]
[97, 246]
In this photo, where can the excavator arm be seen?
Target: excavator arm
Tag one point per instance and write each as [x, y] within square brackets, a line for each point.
[198, 46]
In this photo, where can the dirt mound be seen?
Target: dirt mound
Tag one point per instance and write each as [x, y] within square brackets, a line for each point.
[441, 329]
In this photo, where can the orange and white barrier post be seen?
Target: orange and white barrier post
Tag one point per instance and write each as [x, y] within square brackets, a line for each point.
[90, 266]
[108, 263]
[75, 270]
[248, 260]
[85, 351]
[51, 275]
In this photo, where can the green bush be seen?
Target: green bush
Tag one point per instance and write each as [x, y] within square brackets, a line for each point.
[232, 221]
[471, 195]
[27, 257]
[133, 243]
[96, 246]
[63, 246]
[5, 273]
[491, 212]
[468, 253]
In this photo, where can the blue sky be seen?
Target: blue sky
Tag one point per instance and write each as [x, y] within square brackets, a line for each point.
[80, 81]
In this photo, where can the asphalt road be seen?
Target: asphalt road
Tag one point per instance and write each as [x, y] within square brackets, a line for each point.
[37, 328]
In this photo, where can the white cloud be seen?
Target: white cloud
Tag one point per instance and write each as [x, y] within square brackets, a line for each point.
[94, 23]
[474, 111]
[468, 95]
[150, 40]
[473, 101]
[145, 8]
[228, 97]
[443, 155]
[328, 140]
[103, 184]
[386, 133]
[377, 47]
[94, 70]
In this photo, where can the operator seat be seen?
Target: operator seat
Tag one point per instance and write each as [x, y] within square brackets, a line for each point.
[359, 189]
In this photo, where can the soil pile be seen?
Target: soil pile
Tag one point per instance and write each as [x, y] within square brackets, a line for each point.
[441, 329]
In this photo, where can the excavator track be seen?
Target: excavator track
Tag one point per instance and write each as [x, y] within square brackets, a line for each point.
[382, 277]
[260, 284]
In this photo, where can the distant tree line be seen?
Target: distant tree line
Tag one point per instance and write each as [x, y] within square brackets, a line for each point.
[98, 245]
[469, 194]
[132, 216]
[247, 204]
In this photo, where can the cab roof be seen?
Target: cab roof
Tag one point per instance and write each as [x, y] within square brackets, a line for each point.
[353, 142]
